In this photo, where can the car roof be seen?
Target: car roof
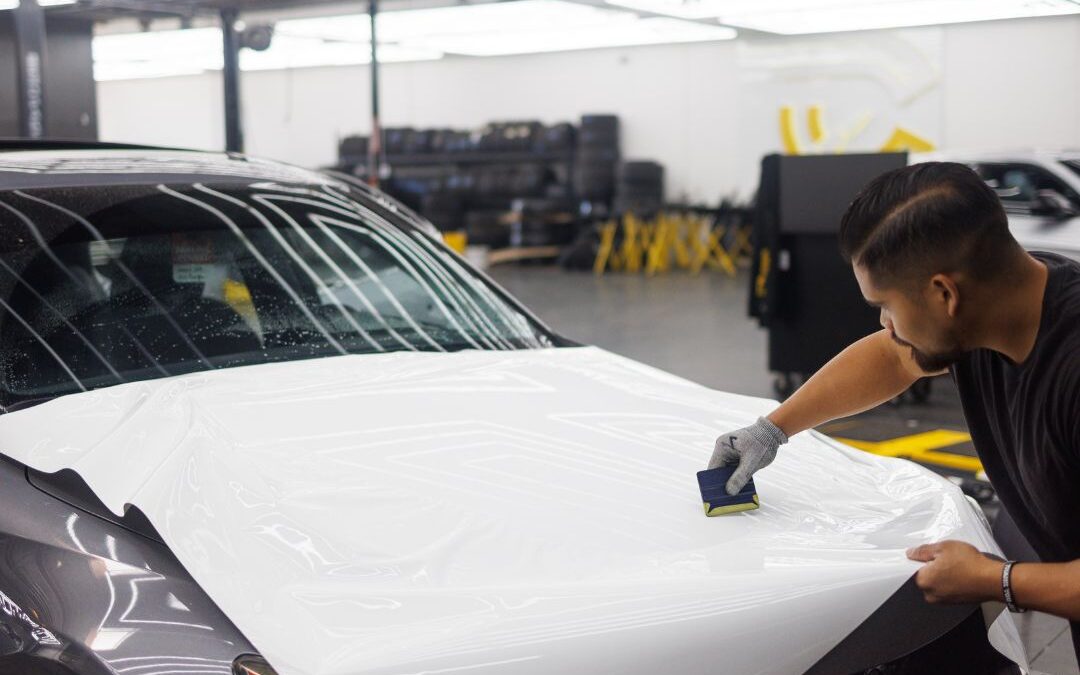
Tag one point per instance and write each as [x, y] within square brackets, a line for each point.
[1014, 155]
[43, 164]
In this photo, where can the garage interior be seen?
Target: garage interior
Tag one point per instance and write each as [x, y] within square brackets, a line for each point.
[660, 178]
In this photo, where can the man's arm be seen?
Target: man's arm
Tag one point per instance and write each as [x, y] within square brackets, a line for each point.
[957, 572]
[1053, 588]
[869, 372]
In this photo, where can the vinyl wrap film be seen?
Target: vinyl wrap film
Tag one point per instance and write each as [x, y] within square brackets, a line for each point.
[528, 511]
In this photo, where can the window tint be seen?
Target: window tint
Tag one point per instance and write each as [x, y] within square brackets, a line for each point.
[104, 286]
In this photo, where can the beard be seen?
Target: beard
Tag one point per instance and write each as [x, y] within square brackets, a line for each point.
[931, 362]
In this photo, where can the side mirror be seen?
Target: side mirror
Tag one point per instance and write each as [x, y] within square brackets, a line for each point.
[1052, 204]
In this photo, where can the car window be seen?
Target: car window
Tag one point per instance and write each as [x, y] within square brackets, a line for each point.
[1017, 184]
[102, 286]
[1072, 165]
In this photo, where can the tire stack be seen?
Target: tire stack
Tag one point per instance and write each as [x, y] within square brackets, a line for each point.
[509, 136]
[519, 182]
[411, 184]
[556, 138]
[486, 228]
[397, 140]
[541, 222]
[640, 188]
[445, 210]
[597, 157]
[352, 152]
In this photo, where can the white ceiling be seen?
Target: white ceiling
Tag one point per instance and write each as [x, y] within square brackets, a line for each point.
[526, 26]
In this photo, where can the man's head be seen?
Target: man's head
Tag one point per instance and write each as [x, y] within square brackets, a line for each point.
[922, 240]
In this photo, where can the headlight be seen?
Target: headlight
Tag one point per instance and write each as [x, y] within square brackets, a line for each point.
[252, 665]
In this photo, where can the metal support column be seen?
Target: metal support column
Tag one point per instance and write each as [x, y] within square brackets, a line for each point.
[375, 146]
[30, 62]
[234, 133]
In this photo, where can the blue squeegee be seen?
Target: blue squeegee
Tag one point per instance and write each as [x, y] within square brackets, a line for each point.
[714, 494]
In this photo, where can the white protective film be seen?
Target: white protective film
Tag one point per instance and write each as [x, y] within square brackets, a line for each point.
[498, 512]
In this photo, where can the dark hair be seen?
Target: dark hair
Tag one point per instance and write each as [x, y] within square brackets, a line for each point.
[911, 223]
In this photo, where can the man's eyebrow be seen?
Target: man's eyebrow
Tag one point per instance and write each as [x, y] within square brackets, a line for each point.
[873, 303]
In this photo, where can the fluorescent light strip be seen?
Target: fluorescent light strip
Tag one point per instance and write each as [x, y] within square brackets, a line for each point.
[621, 34]
[291, 52]
[401, 25]
[502, 28]
[140, 70]
[795, 17]
[899, 14]
[187, 52]
[513, 27]
[709, 9]
[12, 4]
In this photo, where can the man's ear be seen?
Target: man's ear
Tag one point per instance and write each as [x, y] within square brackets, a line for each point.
[945, 293]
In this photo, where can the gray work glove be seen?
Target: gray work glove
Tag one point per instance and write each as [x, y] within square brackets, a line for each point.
[752, 448]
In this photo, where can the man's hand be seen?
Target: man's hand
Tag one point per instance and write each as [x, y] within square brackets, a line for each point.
[956, 572]
[752, 448]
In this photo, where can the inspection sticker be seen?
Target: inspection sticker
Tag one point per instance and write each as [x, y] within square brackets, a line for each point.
[193, 259]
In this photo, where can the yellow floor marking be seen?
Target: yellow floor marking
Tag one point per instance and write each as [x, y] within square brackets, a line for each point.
[923, 447]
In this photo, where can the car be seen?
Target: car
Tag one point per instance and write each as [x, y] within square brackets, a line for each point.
[1040, 190]
[259, 419]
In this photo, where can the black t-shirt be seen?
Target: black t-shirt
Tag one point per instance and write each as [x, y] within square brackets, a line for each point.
[1025, 421]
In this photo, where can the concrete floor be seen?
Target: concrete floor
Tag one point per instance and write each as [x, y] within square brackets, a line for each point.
[697, 327]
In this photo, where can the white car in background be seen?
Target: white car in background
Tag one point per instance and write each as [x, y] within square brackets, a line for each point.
[1041, 194]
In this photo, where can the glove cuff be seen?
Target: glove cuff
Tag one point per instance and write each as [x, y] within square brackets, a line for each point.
[767, 433]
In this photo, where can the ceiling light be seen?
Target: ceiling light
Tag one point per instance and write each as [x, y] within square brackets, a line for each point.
[394, 26]
[293, 52]
[187, 52]
[201, 47]
[514, 27]
[12, 4]
[618, 34]
[898, 13]
[793, 17]
[143, 70]
[707, 9]
[511, 27]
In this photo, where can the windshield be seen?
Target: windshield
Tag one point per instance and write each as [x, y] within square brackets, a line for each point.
[1072, 165]
[100, 286]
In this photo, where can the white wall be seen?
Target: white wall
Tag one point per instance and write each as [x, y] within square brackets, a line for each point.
[696, 108]
[173, 111]
[1013, 83]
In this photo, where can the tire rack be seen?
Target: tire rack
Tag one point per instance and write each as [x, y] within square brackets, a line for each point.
[562, 161]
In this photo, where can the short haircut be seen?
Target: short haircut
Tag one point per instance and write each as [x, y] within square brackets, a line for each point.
[937, 217]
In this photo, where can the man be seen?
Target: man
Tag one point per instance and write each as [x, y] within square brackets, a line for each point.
[930, 246]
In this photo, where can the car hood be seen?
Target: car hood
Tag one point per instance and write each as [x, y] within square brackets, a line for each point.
[526, 512]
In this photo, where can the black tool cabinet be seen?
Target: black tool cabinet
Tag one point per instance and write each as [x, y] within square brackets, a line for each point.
[802, 291]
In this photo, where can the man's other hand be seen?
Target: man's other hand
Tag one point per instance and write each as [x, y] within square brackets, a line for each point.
[956, 572]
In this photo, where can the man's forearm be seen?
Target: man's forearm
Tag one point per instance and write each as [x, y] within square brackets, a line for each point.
[1053, 588]
[864, 375]
[956, 572]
